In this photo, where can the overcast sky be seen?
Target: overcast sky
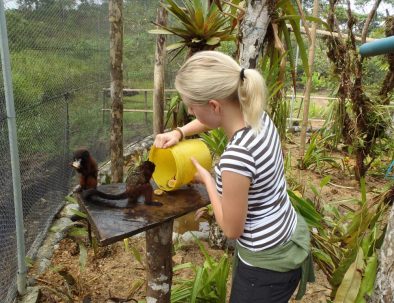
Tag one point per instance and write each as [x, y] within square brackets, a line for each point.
[382, 7]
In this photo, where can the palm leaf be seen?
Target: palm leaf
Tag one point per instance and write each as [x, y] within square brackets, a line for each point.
[160, 31]
[175, 46]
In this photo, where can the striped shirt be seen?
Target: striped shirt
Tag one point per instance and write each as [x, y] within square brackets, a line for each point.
[271, 218]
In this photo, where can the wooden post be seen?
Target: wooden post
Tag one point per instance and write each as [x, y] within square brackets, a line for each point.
[116, 58]
[146, 106]
[158, 88]
[308, 86]
[159, 239]
[159, 261]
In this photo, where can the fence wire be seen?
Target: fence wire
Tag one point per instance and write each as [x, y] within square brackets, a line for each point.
[60, 68]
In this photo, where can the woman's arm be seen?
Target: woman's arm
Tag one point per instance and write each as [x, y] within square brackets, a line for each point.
[231, 209]
[194, 127]
[171, 138]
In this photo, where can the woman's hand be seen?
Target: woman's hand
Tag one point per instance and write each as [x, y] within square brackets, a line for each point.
[202, 175]
[165, 140]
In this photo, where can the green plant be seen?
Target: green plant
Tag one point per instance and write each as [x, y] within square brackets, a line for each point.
[131, 249]
[315, 155]
[216, 141]
[318, 82]
[317, 191]
[345, 243]
[202, 25]
[278, 58]
[177, 112]
[209, 283]
[291, 178]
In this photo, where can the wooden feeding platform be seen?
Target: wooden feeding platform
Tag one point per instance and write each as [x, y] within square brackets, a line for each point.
[110, 225]
[113, 224]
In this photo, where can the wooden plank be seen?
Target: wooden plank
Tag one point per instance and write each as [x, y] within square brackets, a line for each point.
[135, 91]
[312, 97]
[126, 92]
[114, 224]
[133, 110]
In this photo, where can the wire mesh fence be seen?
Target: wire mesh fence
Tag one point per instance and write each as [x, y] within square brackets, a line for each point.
[59, 54]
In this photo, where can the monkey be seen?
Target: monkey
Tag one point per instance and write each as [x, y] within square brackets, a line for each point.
[137, 184]
[86, 166]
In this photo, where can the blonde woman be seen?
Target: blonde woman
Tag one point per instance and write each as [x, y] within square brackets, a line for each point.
[248, 193]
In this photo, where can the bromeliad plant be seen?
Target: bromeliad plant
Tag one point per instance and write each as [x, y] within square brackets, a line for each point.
[202, 25]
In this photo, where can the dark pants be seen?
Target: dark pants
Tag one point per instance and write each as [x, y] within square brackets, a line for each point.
[258, 285]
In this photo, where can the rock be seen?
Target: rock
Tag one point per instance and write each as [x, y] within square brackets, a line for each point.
[68, 209]
[188, 236]
[204, 227]
[31, 296]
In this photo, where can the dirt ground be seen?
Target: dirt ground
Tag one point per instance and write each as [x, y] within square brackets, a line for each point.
[115, 271]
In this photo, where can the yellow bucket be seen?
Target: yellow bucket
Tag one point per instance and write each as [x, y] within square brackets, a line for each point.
[173, 165]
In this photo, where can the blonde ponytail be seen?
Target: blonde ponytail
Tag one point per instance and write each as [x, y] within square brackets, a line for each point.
[252, 94]
[211, 75]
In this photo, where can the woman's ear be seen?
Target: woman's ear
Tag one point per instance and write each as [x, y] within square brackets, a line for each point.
[215, 105]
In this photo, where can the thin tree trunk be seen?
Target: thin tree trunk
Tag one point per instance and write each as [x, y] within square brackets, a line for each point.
[384, 283]
[159, 239]
[158, 91]
[159, 263]
[116, 57]
[371, 14]
[252, 31]
[308, 86]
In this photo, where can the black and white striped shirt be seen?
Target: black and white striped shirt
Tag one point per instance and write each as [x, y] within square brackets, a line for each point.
[271, 218]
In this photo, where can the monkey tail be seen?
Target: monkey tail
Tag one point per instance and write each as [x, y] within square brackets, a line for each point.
[94, 192]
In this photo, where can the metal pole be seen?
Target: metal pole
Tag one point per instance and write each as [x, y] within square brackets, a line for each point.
[12, 136]
[295, 88]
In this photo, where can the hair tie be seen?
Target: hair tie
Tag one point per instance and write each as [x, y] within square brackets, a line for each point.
[242, 74]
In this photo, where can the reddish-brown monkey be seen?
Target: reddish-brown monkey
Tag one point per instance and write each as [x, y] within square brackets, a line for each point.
[137, 184]
[86, 166]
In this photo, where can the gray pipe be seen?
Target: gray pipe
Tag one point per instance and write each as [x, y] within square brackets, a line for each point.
[12, 135]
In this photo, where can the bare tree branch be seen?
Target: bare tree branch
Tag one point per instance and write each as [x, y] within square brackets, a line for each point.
[371, 14]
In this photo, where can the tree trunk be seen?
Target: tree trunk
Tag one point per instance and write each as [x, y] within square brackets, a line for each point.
[216, 237]
[308, 87]
[253, 30]
[159, 263]
[384, 284]
[116, 57]
[158, 87]
[159, 239]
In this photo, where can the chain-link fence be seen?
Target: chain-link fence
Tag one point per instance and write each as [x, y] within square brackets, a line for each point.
[59, 54]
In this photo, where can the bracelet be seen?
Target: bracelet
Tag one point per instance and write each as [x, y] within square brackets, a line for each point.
[178, 129]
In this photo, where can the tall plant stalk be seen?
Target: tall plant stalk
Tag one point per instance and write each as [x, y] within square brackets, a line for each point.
[365, 124]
